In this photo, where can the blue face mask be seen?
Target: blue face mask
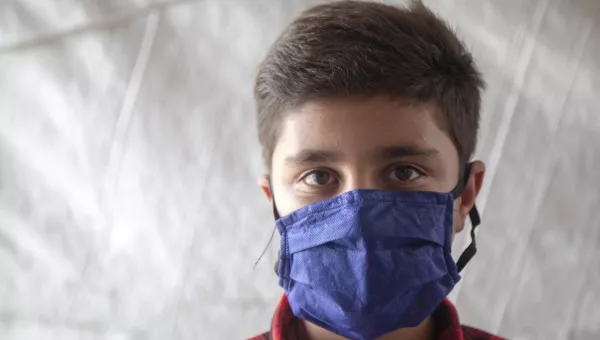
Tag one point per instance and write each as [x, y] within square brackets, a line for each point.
[368, 262]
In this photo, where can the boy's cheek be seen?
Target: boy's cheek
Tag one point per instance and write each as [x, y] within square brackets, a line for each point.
[284, 201]
[459, 220]
[286, 204]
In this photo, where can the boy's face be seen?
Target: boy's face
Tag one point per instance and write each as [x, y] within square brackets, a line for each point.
[332, 146]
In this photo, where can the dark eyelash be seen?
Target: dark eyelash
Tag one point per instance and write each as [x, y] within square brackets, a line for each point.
[419, 171]
[313, 171]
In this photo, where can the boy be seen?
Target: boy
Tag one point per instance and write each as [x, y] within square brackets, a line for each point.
[368, 116]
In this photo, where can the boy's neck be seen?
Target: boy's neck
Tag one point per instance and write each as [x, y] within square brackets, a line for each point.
[424, 331]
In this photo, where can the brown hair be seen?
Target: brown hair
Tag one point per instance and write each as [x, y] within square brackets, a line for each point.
[367, 48]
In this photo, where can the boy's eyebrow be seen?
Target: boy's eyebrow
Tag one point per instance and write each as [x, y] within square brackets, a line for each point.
[309, 156]
[405, 151]
[312, 156]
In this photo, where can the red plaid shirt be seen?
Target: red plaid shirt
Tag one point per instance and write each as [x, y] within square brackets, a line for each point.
[286, 326]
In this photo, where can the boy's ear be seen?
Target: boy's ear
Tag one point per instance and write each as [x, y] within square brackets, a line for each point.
[264, 184]
[472, 188]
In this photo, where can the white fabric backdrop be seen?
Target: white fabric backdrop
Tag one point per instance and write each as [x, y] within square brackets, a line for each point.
[128, 163]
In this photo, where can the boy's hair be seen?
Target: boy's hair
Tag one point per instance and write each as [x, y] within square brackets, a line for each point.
[360, 48]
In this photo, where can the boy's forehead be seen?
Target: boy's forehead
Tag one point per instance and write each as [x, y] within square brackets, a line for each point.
[363, 127]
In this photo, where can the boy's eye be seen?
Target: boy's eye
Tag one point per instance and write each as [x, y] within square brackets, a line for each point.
[405, 174]
[317, 178]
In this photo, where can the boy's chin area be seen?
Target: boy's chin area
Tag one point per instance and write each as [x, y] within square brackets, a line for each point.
[424, 331]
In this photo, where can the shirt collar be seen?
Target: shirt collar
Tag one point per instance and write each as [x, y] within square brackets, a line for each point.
[286, 326]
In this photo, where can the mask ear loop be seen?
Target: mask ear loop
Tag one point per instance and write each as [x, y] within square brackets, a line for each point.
[276, 214]
[471, 250]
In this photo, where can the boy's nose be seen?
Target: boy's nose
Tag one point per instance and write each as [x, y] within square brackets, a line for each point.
[364, 181]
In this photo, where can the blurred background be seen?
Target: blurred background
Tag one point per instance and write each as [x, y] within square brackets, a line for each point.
[128, 164]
